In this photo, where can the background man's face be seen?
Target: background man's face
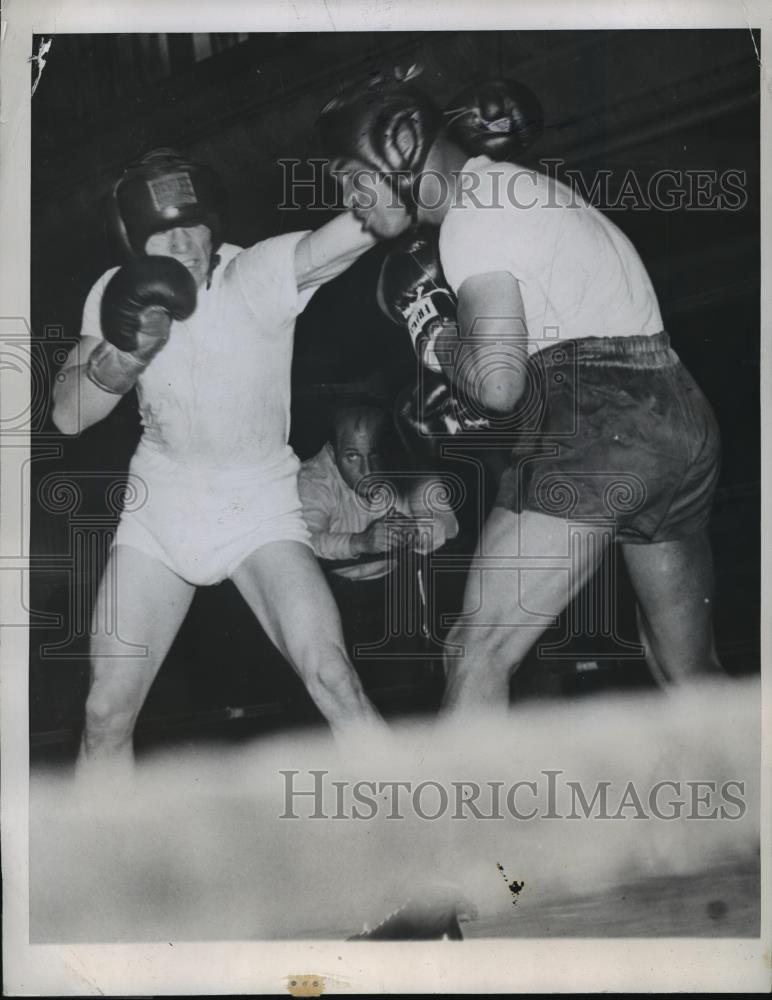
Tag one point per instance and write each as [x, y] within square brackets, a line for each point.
[358, 450]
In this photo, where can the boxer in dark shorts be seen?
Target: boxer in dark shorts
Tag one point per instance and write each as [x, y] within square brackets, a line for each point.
[556, 331]
[609, 406]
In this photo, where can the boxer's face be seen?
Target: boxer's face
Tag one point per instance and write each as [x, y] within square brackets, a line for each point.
[376, 203]
[357, 453]
[190, 245]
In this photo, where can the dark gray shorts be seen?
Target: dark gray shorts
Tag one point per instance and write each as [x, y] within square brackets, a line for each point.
[619, 432]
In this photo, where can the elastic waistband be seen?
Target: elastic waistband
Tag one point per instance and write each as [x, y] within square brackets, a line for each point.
[648, 351]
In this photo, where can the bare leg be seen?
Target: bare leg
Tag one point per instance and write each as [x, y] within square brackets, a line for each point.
[673, 582]
[139, 609]
[526, 569]
[286, 589]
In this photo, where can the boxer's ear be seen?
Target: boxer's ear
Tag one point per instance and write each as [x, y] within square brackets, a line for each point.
[406, 137]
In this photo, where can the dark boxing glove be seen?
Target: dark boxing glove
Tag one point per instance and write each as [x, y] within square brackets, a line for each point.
[429, 413]
[138, 306]
[412, 292]
[498, 118]
[141, 300]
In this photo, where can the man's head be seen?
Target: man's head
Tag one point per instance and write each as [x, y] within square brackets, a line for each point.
[358, 440]
[377, 136]
[392, 150]
[164, 204]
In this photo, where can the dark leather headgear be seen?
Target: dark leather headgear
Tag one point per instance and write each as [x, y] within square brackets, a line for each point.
[390, 125]
[163, 190]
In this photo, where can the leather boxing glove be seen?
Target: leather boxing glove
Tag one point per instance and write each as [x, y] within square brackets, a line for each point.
[412, 291]
[137, 309]
[427, 414]
[498, 118]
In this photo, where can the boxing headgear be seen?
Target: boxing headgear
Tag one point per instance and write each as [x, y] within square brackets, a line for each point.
[388, 125]
[163, 190]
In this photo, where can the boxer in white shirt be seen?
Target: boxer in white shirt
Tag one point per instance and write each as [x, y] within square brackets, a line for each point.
[557, 329]
[204, 331]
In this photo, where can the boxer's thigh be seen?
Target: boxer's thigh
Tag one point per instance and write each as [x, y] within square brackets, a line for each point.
[525, 570]
[139, 608]
[286, 589]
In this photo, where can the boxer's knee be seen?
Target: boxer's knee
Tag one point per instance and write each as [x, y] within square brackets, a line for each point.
[114, 701]
[324, 665]
[478, 651]
[109, 721]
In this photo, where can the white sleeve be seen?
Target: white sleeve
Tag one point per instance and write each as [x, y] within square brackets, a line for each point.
[483, 233]
[318, 503]
[266, 276]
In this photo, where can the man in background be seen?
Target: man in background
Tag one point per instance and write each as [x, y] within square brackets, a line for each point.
[370, 524]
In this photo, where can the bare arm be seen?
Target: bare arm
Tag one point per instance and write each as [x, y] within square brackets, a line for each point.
[134, 309]
[78, 402]
[491, 358]
[324, 254]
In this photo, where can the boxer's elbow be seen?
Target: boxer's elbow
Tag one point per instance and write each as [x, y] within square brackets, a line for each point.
[495, 371]
[71, 414]
[65, 427]
[65, 418]
[78, 403]
[499, 392]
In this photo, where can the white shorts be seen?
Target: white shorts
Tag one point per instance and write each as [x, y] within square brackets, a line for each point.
[203, 522]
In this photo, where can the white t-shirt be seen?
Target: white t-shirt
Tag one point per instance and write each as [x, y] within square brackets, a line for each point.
[579, 275]
[218, 394]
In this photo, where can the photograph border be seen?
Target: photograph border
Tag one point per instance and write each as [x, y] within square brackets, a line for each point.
[497, 966]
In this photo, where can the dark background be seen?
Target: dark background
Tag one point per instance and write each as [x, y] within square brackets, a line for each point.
[615, 101]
